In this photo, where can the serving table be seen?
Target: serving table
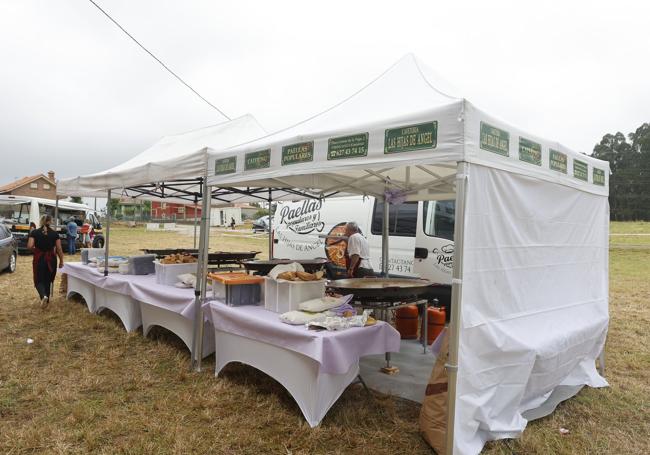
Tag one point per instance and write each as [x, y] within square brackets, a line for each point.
[314, 366]
[138, 301]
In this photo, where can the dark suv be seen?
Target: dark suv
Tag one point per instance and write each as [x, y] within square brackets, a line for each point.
[8, 250]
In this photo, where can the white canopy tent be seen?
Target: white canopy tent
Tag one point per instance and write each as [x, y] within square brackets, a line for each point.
[168, 169]
[530, 280]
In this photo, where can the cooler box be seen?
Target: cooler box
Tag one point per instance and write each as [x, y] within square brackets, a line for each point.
[237, 289]
[167, 274]
[282, 296]
[89, 253]
[142, 265]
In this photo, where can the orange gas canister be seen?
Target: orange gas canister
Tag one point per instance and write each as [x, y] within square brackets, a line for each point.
[436, 322]
[406, 322]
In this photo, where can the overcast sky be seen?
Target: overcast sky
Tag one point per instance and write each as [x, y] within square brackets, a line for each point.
[77, 96]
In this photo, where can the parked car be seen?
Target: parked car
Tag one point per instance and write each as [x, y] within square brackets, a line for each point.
[261, 224]
[8, 250]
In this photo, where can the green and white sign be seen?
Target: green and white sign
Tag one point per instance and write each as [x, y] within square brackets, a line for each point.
[297, 153]
[599, 176]
[580, 170]
[557, 161]
[347, 146]
[225, 165]
[530, 152]
[495, 140]
[412, 137]
[257, 160]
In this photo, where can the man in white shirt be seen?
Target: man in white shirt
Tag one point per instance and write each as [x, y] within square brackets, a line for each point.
[358, 252]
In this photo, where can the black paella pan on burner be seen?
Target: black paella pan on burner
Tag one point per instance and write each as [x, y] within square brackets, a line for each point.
[382, 289]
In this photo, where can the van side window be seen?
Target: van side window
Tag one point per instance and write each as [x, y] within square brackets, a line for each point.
[439, 219]
[402, 218]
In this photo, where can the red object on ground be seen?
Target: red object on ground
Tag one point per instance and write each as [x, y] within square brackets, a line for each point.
[436, 322]
[406, 322]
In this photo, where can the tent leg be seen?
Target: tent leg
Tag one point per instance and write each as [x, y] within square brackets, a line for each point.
[601, 362]
[195, 207]
[456, 299]
[56, 215]
[384, 239]
[108, 232]
[270, 225]
[201, 269]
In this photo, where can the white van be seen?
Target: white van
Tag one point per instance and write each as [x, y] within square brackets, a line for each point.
[420, 242]
[17, 212]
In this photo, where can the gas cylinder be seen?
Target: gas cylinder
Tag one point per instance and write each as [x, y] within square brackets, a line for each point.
[436, 322]
[406, 322]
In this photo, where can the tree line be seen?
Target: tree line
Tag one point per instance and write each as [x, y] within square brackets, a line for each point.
[629, 184]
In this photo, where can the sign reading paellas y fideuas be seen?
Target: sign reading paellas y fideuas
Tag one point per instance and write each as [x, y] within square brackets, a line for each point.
[411, 137]
[530, 152]
[225, 165]
[298, 153]
[347, 146]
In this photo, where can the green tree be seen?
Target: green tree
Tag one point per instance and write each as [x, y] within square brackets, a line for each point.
[629, 160]
[76, 199]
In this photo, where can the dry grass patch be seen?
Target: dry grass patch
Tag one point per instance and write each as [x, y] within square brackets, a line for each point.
[86, 386]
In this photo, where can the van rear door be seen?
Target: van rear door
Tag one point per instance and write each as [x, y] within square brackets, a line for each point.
[434, 241]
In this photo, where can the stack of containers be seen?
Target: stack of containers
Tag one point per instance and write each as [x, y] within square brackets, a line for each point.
[281, 296]
[237, 289]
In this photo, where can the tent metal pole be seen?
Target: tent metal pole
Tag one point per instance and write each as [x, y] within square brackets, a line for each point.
[270, 225]
[384, 238]
[199, 289]
[56, 215]
[195, 209]
[456, 299]
[108, 232]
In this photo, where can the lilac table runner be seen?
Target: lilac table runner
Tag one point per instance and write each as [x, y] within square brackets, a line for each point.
[334, 351]
[139, 287]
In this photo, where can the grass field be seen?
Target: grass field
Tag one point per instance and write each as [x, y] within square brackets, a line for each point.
[86, 386]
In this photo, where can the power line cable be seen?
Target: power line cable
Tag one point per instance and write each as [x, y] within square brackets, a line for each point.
[159, 61]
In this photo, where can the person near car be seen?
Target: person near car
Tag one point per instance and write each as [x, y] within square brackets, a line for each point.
[357, 252]
[72, 235]
[86, 234]
[46, 246]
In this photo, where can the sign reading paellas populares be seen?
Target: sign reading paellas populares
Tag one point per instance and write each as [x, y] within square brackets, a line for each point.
[257, 160]
[347, 146]
[411, 137]
[297, 153]
[225, 165]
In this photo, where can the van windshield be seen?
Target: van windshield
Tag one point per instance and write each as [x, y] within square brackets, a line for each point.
[402, 219]
[14, 212]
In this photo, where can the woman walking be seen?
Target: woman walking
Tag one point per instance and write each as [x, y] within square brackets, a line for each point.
[46, 246]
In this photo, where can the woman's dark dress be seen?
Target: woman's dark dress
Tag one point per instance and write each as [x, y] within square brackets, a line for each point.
[44, 262]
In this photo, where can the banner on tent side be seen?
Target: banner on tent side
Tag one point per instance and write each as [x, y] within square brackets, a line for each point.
[410, 138]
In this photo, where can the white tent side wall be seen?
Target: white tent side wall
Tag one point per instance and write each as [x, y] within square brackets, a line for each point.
[534, 309]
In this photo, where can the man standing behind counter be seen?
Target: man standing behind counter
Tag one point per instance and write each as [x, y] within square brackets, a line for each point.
[358, 252]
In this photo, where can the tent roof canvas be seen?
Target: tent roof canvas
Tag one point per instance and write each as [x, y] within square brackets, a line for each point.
[402, 103]
[176, 157]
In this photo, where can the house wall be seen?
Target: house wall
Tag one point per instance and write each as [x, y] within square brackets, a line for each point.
[169, 210]
[40, 191]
